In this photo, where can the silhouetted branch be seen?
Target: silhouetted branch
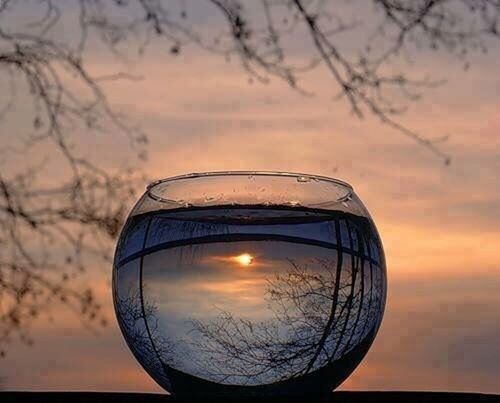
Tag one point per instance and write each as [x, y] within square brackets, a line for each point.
[319, 316]
[140, 322]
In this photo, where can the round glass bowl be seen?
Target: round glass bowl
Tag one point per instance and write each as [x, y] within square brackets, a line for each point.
[249, 284]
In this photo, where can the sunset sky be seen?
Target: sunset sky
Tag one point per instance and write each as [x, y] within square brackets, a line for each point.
[440, 225]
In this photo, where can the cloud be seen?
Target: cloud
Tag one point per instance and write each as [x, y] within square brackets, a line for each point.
[440, 226]
[436, 334]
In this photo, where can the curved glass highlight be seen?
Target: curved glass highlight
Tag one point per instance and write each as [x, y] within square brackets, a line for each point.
[249, 284]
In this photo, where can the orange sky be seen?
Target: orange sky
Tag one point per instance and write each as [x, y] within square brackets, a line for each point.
[439, 225]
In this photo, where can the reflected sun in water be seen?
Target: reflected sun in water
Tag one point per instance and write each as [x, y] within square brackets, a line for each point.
[245, 259]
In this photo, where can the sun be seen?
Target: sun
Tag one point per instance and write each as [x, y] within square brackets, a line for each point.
[245, 259]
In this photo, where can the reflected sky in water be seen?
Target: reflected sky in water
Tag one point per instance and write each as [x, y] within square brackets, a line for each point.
[250, 305]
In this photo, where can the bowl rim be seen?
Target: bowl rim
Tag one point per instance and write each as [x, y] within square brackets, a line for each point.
[200, 175]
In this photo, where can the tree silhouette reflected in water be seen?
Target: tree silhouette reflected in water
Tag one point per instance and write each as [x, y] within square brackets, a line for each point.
[319, 316]
[296, 318]
[139, 321]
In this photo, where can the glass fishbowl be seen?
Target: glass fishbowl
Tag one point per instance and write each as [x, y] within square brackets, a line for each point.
[249, 284]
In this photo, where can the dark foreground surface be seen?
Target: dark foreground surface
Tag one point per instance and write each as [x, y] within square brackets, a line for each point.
[344, 397]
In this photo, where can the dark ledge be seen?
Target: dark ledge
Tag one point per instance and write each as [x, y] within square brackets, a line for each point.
[343, 397]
